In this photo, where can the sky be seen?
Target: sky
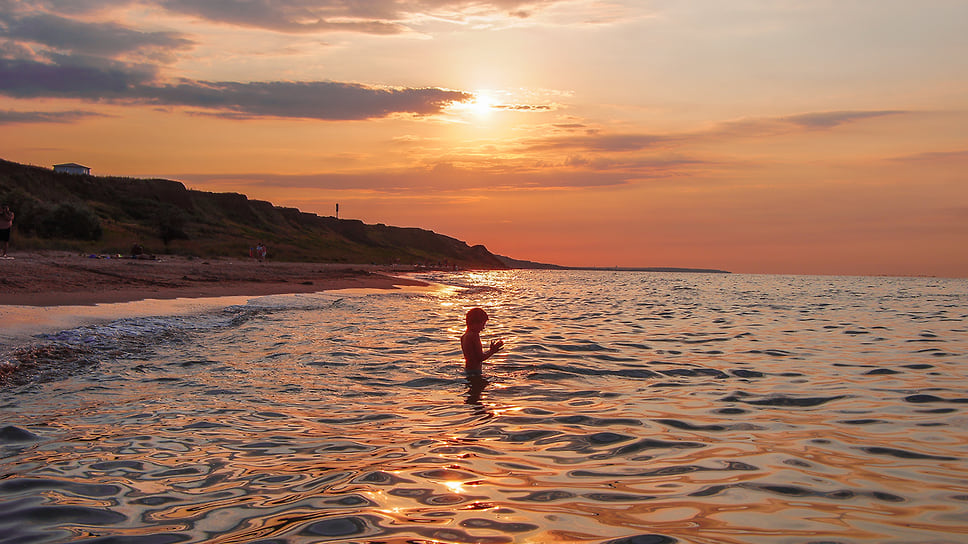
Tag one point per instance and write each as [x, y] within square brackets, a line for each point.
[755, 136]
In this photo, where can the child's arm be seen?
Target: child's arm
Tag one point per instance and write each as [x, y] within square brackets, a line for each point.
[496, 346]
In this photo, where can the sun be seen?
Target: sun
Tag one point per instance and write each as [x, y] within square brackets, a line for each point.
[481, 106]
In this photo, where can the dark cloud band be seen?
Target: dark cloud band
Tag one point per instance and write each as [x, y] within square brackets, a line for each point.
[312, 100]
[103, 38]
[116, 82]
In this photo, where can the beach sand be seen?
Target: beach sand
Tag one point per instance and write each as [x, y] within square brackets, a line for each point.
[66, 279]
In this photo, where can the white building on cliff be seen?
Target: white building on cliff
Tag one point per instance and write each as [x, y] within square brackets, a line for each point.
[72, 168]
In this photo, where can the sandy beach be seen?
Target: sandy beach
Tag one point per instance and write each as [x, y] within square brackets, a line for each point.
[61, 278]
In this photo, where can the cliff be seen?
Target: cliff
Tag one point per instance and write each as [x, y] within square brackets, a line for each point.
[110, 214]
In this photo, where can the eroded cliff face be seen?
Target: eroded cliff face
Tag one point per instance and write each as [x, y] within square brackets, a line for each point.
[164, 215]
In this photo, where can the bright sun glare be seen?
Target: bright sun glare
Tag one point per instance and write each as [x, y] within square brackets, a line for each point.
[481, 106]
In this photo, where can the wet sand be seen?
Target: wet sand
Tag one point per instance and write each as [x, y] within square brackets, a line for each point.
[66, 279]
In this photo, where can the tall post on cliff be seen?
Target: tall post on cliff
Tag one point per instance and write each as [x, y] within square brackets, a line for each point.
[337, 210]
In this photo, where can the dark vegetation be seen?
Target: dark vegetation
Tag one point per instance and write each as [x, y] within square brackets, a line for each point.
[111, 214]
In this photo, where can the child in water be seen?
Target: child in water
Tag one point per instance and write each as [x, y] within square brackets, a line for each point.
[470, 342]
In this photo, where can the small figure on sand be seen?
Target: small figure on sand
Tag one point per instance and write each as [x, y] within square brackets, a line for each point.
[6, 223]
[470, 343]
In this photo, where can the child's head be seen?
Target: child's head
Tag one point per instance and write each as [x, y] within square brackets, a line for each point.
[476, 316]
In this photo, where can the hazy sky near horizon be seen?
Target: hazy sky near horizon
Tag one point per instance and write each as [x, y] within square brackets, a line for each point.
[755, 136]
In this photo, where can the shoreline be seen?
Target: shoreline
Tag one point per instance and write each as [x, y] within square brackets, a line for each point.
[49, 279]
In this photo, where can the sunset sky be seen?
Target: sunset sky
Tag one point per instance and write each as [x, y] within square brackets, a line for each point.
[755, 136]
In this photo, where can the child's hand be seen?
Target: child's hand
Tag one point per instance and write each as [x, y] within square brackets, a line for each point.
[496, 345]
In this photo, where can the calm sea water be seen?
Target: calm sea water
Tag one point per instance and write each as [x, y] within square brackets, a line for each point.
[627, 408]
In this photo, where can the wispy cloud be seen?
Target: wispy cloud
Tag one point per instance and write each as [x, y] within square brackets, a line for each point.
[9, 117]
[935, 156]
[592, 139]
[831, 119]
[456, 174]
[823, 120]
[601, 142]
[524, 107]
[443, 178]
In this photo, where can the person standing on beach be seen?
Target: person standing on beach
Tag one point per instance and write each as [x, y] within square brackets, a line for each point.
[6, 223]
[470, 342]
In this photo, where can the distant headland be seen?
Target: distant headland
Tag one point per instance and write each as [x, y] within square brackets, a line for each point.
[519, 264]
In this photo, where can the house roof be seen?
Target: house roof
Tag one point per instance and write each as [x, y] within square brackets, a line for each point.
[72, 165]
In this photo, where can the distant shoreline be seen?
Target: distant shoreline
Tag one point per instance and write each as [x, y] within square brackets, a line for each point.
[649, 269]
[532, 265]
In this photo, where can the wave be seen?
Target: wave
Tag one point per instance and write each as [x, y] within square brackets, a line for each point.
[62, 354]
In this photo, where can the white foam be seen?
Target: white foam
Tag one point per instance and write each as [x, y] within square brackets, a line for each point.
[19, 323]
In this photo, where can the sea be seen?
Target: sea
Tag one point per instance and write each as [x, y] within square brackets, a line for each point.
[626, 408]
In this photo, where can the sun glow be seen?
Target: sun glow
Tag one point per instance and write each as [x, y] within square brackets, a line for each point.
[481, 106]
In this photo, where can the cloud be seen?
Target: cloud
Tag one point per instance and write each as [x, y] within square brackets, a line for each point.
[9, 117]
[462, 174]
[295, 16]
[309, 100]
[444, 179]
[524, 107]
[52, 56]
[97, 79]
[831, 119]
[775, 126]
[371, 17]
[72, 77]
[935, 156]
[648, 167]
[570, 126]
[79, 7]
[594, 140]
[103, 38]
[602, 142]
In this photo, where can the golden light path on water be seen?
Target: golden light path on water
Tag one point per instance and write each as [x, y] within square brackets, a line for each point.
[627, 408]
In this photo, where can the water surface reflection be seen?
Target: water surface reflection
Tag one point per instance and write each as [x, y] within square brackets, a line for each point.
[626, 408]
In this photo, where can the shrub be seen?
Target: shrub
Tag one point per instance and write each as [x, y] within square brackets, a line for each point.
[71, 220]
[171, 224]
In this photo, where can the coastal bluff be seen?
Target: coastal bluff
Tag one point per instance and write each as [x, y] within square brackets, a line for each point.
[108, 215]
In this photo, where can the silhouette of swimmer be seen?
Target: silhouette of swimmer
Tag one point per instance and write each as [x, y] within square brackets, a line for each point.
[470, 343]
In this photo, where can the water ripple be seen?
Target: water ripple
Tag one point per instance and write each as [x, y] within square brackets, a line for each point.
[627, 409]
